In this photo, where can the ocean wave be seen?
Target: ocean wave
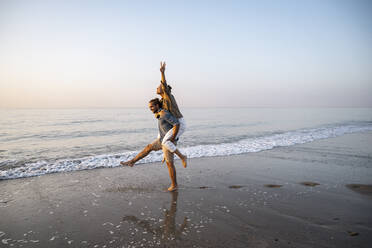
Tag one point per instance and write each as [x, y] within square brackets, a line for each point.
[218, 126]
[253, 144]
[54, 135]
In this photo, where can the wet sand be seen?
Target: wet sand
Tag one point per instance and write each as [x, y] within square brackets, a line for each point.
[310, 195]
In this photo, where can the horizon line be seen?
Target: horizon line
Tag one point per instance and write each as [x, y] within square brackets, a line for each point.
[202, 107]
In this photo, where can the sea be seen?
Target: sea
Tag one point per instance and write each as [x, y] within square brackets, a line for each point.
[34, 142]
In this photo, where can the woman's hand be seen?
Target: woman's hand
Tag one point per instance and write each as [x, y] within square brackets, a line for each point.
[162, 67]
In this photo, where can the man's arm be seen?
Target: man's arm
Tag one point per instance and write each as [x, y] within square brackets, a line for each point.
[174, 122]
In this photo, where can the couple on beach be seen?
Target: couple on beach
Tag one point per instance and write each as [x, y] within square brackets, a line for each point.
[171, 126]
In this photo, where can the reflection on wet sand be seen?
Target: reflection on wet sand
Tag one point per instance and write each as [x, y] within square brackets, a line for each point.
[163, 232]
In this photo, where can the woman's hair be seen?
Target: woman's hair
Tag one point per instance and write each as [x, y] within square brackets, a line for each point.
[166, 88]
[169, 88]
[156, 101]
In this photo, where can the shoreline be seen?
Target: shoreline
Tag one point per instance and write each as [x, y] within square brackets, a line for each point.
[243, 146]
[263, 199]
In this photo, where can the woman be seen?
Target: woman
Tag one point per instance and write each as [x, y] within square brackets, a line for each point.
[169, 103]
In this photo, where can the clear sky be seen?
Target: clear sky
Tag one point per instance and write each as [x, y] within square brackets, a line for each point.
[277, 53]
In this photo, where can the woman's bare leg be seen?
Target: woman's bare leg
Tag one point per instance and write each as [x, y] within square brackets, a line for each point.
[182, 157]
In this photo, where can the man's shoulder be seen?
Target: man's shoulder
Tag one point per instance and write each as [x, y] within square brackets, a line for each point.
[166, 115]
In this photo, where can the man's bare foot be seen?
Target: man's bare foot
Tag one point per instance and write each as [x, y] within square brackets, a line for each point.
[184, 161]
[128, 163]
[172, 188]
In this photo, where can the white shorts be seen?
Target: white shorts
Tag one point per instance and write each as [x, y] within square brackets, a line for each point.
[166, 140]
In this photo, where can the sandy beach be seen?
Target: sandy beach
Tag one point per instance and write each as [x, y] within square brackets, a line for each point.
[311, 195]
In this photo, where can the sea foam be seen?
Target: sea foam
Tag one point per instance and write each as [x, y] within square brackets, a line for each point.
[254, 144]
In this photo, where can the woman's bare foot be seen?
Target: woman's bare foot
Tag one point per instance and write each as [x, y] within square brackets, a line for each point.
[128, 163]
[184, 161]
[172, 188]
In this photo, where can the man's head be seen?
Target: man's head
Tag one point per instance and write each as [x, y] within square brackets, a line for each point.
[154, 105]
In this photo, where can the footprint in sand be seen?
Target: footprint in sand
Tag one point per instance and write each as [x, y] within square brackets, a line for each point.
[235, 187]
[204, 187]
[352, 233]
[273, 185]
[361, 188]
[311, 184]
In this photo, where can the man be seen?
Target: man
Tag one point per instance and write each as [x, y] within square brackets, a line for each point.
[166, 122]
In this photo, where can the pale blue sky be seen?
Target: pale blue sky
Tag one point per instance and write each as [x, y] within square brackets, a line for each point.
[219, 53]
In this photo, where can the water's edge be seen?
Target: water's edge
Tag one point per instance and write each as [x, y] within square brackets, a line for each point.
[243, 146]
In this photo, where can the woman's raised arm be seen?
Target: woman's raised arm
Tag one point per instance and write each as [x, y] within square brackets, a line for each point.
[162, 70]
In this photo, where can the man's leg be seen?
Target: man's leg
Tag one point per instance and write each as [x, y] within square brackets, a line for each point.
[173, 176]
[154, 146]
[169, 157]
